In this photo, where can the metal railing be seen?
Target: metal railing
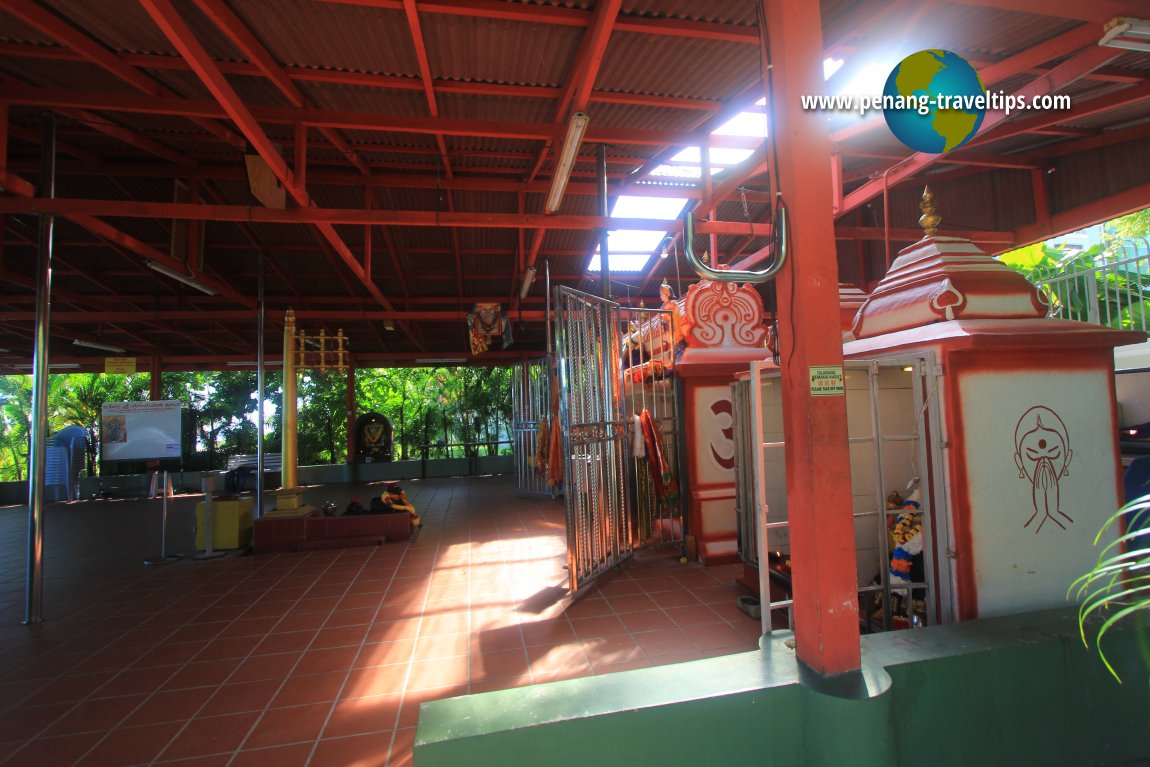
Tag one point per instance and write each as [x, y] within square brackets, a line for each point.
[1112, 293]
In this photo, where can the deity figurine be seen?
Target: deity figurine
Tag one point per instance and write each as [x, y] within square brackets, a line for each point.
[676, 334]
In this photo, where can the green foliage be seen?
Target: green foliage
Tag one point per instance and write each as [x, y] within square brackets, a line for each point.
[1132, 225]
[1117, 588]
[79, 401]
[440, 412]
[15, 421]
[458, 411]
[1084, 285]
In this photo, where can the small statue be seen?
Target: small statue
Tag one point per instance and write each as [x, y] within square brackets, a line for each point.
[677, 334]
[396, 497]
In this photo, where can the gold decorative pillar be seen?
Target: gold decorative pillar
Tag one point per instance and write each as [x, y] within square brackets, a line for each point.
[288, 454]
[287, 497]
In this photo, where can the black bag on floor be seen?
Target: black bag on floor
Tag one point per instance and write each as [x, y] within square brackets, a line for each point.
[236, 480]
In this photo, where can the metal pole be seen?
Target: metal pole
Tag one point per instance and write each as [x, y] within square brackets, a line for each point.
[260, 389]
[209, 552]
[165, 557]
[547, 273]
[37, 453]
[601, 191]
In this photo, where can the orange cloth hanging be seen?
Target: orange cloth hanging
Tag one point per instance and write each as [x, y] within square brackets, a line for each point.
[662, 474]
[555, 453]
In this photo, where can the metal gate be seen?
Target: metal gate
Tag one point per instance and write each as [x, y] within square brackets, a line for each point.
[894, 433]
[594, 434]
[650, 395]
[530, 406]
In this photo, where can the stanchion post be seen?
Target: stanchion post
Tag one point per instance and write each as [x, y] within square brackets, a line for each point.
[209, 552]
[164, 557]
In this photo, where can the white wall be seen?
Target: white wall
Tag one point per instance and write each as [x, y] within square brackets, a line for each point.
[1019, 568]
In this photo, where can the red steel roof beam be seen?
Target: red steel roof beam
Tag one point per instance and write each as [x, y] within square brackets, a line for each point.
[231, 25]
[110, 234]
[1064, 74]
[41, 19]
[91, 160]
[177, 30]
[1081, 109]
[588, 60]
[571, 17]
[1056, 47]
[1097, 11]
[370, 121]
[413, 25]
[371, 80]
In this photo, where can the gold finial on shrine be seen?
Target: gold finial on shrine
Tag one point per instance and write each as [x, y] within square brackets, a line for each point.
[929, 220]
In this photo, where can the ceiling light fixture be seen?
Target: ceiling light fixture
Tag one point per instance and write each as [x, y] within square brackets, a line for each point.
[389, 324]
[52, 366]
[528, 281]
[445, 361]
[576, 127]
[98, 345]
[1126, 33]
[180, 277]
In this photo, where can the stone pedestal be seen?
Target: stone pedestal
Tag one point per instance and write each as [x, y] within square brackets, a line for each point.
[725, 332]
[1029, 469]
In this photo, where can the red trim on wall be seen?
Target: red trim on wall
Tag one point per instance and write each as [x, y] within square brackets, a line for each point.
[955, 366]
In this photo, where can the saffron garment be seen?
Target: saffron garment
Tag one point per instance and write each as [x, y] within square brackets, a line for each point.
[555, 457]
[662, 474]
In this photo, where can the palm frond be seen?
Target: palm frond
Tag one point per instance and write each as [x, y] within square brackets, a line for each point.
[1118, 586]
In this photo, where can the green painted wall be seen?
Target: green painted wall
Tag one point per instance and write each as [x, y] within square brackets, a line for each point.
[1018, 690]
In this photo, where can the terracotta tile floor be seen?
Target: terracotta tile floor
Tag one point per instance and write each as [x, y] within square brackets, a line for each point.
[318, 658]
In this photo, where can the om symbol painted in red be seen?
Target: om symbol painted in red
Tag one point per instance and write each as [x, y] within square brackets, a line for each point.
[720, 408]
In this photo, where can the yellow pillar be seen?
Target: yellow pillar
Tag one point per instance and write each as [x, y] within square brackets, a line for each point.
[288, 450]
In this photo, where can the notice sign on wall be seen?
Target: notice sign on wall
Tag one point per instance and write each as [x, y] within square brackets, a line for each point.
[140, 431]
[119, 366]
[827, 381]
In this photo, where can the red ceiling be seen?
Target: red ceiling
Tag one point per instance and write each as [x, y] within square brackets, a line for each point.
[416, 141]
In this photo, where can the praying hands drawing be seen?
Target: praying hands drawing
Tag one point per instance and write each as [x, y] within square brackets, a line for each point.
[1042, 454]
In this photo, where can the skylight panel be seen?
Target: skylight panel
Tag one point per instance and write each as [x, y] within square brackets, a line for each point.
[744, 124]
[631, 249]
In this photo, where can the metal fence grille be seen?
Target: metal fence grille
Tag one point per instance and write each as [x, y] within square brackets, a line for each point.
[888, 405]
[649, 386]
[745, 507]
[530, 406]
[1112, 293]
[587, 347]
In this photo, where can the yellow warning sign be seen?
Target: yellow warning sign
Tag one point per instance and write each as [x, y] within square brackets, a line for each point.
[120, 366]
[827, 381]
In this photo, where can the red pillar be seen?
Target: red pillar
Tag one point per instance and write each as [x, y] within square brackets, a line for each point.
[156, 381]
[818, 460]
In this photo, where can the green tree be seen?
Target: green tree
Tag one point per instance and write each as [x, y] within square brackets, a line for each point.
[15, 426]
[1131, 225]
[1086, 285]
[322, 417]
[81, 399]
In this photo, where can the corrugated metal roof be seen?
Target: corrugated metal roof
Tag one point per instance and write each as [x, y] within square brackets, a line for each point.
[668, 66]
[344, 37]
[468, 49]
[490, 171]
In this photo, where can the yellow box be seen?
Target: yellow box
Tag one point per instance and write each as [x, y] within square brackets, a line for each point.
[231, 523]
